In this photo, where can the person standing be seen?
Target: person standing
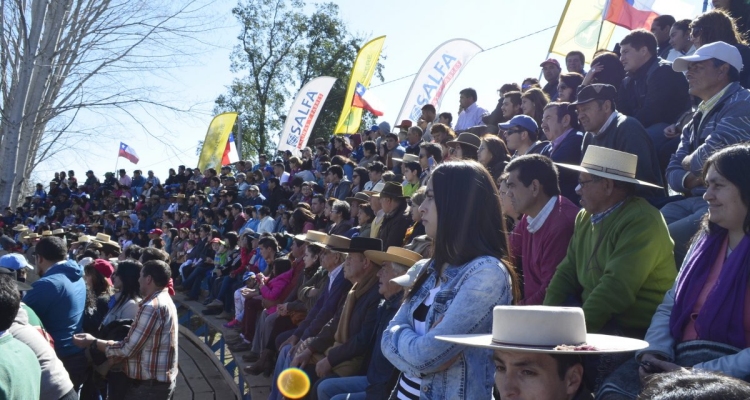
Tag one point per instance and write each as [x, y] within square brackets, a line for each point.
[472, 114]
[150, 349]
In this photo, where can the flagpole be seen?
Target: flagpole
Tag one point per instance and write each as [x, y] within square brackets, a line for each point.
[117, 159]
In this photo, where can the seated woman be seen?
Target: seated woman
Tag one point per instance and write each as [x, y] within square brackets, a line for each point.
[494, 155]
[456, 291]
[703, 322]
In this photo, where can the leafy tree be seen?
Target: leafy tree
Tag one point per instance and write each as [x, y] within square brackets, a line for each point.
[281, 49]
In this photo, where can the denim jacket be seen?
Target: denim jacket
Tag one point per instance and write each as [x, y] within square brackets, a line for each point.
[463, 306]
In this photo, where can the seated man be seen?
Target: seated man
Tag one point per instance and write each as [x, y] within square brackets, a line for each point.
[605, 127]
[619, 263]
[546, 227]
[536, 357]
[522, 136]
[721, 120]
[381, 374]
[345, 342]
[560, 125]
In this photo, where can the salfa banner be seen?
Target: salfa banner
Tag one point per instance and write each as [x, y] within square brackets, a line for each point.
[217, 136]
[362, 71]
[436, 76]
[303, 114]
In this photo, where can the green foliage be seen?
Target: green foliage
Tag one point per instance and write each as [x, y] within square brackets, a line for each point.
[281, 49]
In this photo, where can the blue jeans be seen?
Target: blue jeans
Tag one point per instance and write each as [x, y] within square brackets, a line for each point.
[195, 279]
[282, 363]
[683, 218]
[349, 388]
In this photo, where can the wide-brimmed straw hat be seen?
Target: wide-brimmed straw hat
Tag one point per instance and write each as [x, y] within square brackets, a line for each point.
[610, 164]
[375, 189]
[20, 228]
[361, 197]
[543, 329]
[314, 237]
[338, 243]
[83, 239]
[407, 158]
[465, 138]
[394, 254]
[46, 233]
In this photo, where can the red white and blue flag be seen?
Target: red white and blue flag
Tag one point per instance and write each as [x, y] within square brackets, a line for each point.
[128, 152]
[230, 152]
[364, 99]
[631, 14]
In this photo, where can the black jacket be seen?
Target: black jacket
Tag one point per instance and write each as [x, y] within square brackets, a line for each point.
[654, 93]
[393, 229]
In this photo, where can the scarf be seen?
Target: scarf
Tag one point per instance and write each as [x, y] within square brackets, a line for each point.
[721, 319]
[357, 291]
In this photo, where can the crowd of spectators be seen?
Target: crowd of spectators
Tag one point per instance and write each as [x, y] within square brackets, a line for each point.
[412, 263]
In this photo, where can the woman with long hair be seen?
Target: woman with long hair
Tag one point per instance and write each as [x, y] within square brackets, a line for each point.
[533, 102]
[302, 220]
[493, 154]
[97, 274]
[359, 178]
[703, 322]
[567, 89]
[468, 275]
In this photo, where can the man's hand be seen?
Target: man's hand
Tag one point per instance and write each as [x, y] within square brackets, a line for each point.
[657, 366]
[323, 368]
[83, 340]
[291, 341]
[692, 181]
[671, 131]
[686, 162]
[302, 359]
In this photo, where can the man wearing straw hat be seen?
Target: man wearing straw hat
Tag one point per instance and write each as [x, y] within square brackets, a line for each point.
[541, 354]
[381, 374]
[619, 263]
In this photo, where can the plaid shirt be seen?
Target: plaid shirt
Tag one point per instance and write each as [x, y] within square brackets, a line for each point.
[150, 349]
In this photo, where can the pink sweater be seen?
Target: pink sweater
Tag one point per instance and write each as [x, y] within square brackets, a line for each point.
[272, 289]
[541, 252]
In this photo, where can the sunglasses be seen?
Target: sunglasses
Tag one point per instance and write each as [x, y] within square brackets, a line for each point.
[696, 31]
[512, 131]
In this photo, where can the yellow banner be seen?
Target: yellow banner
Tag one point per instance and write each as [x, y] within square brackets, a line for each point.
[216, 140]
[362, 71]
[581, 28]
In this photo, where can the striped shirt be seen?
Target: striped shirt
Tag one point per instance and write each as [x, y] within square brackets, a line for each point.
[150, 349]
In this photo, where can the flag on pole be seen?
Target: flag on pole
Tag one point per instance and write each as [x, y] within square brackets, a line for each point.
[365, 100]
[630, 14]
[582, 28]
[216, 140]
[128, 152]
[362, 71]
[230, 152]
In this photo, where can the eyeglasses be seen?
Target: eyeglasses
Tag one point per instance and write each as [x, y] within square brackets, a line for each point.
[696, 31]
[584, 183]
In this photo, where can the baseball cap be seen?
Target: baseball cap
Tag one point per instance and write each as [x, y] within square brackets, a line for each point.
[404, 124]
[550, 61]
[105, 268]
[156, 231]
[718, 50]
[524, 121]
[374, 128]
[14, 261]
[247, 276]
[22, 286]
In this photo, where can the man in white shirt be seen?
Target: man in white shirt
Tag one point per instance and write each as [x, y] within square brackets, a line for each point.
[279, 172]
[472, 114]
[266, 221]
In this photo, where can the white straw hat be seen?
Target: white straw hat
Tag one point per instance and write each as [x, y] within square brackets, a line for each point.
[610, 164]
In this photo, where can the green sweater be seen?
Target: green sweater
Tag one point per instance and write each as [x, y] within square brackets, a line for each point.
[627, 278]
[20, 373]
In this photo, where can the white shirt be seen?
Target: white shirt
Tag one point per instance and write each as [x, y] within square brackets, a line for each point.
[333, 274]
[266, 225]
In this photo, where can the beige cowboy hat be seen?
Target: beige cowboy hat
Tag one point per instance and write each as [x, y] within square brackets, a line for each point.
[610, 164]
[315, 237]
[20, 228]
[46, 233]
[407, 158]
[31, 236]
[543, 329]
[83, 239]
[102, 238]
[394, 254]
[337, 243]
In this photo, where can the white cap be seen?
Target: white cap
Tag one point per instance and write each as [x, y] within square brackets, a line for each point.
[718, 50]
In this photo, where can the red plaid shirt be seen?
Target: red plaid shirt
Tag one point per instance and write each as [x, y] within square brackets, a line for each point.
[150, 349]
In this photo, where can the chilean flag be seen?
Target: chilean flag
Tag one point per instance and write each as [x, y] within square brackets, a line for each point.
[128, 152]
[363, 99]
[631, 14]
[230, 152]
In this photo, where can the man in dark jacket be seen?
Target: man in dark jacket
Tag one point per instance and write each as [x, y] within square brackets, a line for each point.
[605, 127]
[560, 124]
[397, 215]
[652, 92]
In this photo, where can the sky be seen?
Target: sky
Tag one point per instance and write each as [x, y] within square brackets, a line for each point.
[413, 29]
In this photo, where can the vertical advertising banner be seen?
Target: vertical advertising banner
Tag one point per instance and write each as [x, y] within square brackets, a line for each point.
[362, 71]
[303, 114]
[436, 76]
[216, 140]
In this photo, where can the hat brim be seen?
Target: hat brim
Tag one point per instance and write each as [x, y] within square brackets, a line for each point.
[453, 143]
[404, 280]
[379, 257]
[579, 101]
[681, 64]
[606, 174]
[595, 344]
[356, 199]
[303, 238]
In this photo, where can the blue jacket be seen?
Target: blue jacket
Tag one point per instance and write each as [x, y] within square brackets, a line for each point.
[568, 152]
[324, 309]
[58, 298]
[463, 305]
[380, 373]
